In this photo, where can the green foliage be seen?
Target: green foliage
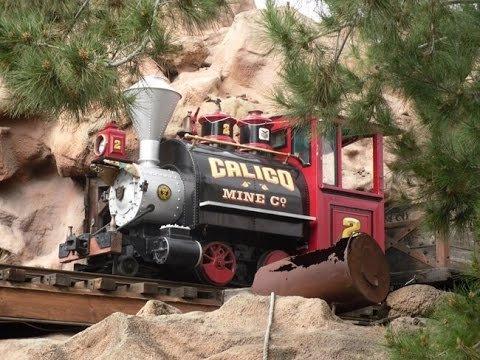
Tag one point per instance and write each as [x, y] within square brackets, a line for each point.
[452, 333]
[69, 55]
[426, 51]
[429, 53]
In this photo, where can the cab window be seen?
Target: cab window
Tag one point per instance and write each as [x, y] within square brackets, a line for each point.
[301, 144]
[279, 139]
[329, 162]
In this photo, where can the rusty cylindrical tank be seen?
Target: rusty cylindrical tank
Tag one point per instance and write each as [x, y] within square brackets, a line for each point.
[351, 274]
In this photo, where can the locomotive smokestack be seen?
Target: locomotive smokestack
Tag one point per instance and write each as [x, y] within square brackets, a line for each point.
[153, 104]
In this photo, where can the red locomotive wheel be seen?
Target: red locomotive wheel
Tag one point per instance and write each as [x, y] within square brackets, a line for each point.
[271, 256]
[218, 264]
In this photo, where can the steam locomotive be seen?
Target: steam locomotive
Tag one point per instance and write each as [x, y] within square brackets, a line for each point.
[214, 209]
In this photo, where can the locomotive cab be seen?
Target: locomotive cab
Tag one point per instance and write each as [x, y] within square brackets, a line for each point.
[332, 167]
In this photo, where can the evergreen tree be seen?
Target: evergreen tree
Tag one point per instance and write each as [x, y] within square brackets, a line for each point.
[429, 52]
[69, 55]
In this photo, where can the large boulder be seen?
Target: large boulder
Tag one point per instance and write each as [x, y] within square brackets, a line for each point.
[35, 215]
[242, 5]
[193, 53]
[8, 162]
[22, 146]
[245, 60]
[302, 329]
[414, 300]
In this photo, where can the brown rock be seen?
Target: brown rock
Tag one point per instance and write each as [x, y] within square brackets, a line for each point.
[238, 6]
[193, 54]
[157, 308]
[34, 216]
[71, 141]
[302, 329]
[244, 60]
[8, 163]
[22, 146]
[414, 300]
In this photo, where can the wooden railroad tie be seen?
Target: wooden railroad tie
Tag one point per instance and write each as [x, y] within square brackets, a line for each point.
[14, 275]
[58, 280]
[102, 284]
[184, 292]
[144, 288]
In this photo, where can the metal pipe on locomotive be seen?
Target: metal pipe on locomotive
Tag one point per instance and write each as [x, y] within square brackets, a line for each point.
[210, 208]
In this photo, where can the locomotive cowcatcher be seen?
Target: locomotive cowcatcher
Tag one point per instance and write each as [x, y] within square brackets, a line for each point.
[215, 209]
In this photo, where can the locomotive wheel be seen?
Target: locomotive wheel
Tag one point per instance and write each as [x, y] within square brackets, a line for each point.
[218, 263]
[126, 265]
[271, 256]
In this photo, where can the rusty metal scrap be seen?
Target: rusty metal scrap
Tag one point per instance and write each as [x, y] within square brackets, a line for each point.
[350, 274]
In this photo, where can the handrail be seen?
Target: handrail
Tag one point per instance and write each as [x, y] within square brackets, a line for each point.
[241, 146]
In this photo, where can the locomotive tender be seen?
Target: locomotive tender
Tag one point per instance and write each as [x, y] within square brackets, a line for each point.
[216, 208]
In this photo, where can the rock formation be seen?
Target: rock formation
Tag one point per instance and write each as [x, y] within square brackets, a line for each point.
[414, 300]
[302, 329]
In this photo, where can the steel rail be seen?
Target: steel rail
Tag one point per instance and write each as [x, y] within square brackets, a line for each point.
[80, 275]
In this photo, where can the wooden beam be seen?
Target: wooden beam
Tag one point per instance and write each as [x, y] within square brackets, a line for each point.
[442, 250]
[40, 302]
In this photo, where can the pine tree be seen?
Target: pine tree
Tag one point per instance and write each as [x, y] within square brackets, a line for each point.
[429, 52]
[69, 55]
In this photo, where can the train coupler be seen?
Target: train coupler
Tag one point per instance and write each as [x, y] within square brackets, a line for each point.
[86, 245]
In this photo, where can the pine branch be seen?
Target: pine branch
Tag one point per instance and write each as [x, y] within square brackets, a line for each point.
[460, 2]
[340, 50]
[132, 55]
[143, 44]
[42, 43]
[84, 5]
[77, 15]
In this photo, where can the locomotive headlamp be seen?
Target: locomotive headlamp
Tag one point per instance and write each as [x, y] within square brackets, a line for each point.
[100, 145]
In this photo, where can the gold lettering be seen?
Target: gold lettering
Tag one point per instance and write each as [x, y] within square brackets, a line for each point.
[229, 194]
[258, 172]
[117, 144]
[233, 169]
[221, 168]
[216, 167]
[270, 175]
[249, 197]
[245, 172]
[286, 179]
[275, 201]
[260, 199]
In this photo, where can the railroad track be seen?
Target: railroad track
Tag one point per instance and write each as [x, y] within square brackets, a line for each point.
[31, 294]
[61, 297]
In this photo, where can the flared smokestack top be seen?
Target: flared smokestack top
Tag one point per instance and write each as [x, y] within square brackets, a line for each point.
[153, 104]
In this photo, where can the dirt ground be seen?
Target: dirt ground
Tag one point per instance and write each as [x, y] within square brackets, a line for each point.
[302, 329]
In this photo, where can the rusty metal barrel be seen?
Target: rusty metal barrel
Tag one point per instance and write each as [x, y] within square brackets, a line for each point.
[350, 274]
